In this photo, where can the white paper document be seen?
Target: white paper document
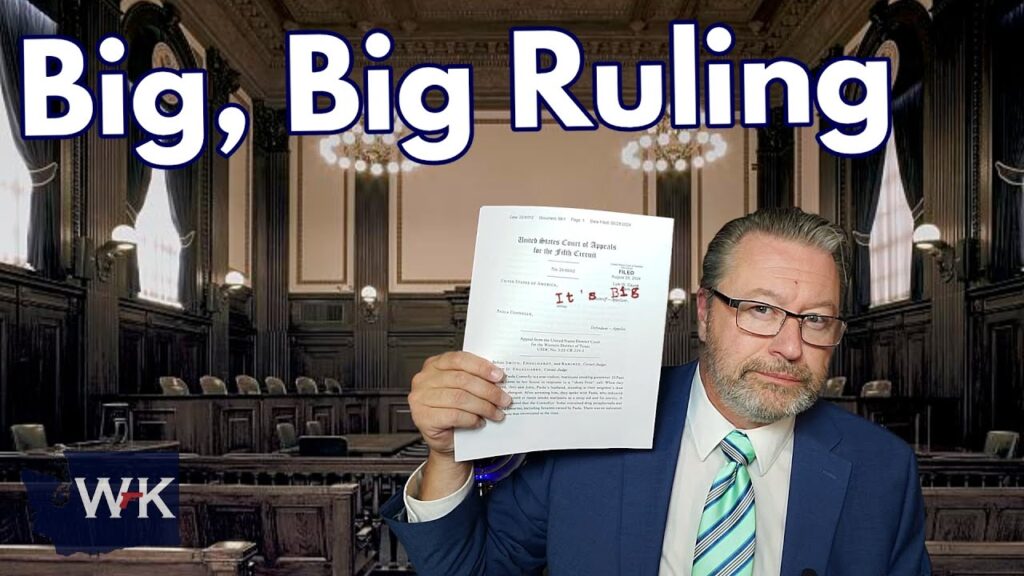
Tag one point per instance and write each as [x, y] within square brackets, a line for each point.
[571, 305]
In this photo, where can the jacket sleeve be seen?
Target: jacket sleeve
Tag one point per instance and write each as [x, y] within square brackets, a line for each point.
[502, 533]
[909, 555]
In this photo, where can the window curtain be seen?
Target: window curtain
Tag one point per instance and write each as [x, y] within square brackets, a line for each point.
[908, 131]
[139, 175]
[19, 18]
[867, 185]
[1008, 197]
[181, 192]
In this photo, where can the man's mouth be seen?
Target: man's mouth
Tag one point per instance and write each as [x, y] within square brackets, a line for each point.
[780, 377]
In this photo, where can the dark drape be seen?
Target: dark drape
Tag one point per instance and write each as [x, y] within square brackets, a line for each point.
[139, 175]
[1008, 197]
[181, 191]
[19, 18]
[908, 130]
[867, 186]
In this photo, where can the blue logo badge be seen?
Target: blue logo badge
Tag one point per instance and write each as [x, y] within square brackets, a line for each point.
[113, 500]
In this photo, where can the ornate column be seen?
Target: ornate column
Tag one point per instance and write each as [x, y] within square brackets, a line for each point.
[775, 163]
[270, 241]
[371, 237]
[674, 202]
[101, 170]
[223, 82]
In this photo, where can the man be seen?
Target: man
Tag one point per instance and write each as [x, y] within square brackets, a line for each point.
[749, 473]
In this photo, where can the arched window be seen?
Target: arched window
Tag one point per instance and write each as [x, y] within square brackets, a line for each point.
[159, 246]
[892, 234]
[15, 196]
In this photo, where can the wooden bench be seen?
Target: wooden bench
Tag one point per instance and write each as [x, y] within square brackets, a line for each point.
[299, 530]
[220, 559]
[974, 514]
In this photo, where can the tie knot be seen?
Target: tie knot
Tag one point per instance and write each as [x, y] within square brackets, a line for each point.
[737, 447]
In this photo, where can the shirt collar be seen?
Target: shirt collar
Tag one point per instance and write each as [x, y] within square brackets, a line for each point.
[709, 428]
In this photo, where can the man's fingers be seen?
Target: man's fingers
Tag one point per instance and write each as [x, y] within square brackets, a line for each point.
[449, 418]
[463, 400]
[482, 389]
[468, 362]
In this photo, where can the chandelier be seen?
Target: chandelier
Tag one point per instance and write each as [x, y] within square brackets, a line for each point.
[373, 153]
[663, 148]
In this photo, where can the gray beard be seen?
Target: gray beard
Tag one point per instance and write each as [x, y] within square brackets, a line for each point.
[754, 400]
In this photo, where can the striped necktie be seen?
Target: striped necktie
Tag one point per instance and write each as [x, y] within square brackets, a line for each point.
[725, 539]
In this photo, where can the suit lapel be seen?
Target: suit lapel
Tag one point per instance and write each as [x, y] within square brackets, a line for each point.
[648, 475]
[817, 489]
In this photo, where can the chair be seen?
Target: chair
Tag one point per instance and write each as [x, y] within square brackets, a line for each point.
[332, 386]
[306, 385]
[876, 389]
[314, 428]
[247, 385]
[212, 385]
[834, 387]
[286, 438]
[29, 437]
[1001, 443]
[275, 385]
[173, 386]
[112, 413]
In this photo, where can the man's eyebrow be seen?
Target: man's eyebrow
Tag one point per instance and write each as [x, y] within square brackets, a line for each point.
[761, 292]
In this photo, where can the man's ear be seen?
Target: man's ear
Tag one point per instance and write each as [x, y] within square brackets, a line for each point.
[703, 304]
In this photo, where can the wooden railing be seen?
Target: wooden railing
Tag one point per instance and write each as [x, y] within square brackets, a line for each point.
[951, 472]
[220, 559]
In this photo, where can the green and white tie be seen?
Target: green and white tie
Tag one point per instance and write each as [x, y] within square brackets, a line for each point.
[725, 539]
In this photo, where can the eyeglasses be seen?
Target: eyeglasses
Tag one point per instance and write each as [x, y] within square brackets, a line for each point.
[763, 319]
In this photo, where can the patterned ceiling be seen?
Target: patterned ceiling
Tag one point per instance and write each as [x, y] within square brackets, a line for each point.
[251, 32]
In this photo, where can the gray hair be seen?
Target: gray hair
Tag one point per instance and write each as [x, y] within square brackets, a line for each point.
[783, 223]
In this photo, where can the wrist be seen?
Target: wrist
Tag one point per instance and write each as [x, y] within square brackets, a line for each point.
[443, 476]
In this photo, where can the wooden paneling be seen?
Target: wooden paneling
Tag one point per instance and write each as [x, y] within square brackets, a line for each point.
[893, 343]
[408, 353]
[997, 352]
[157, 342]
[324, 356]
[39, 359]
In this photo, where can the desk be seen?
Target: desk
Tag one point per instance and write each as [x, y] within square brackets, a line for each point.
[132, 446]
[910, 418]
[223, 424]
[380, 444]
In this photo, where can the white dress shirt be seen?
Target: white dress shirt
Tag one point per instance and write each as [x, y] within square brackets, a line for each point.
[698, 464]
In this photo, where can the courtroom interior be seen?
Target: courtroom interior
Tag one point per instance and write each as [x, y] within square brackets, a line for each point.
[263, 315]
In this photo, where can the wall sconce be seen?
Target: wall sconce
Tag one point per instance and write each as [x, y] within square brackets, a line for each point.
[369, 304]
[122, 241]
[234, 281]
[928, 238]
[676, 300]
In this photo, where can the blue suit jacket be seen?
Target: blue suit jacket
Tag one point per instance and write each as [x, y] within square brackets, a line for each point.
[855, 505]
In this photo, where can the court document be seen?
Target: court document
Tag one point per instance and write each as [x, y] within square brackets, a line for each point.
[571, 304]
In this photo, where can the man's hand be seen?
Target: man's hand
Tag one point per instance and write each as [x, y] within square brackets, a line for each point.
[453, 390]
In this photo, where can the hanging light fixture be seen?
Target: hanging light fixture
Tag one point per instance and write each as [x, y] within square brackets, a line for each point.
[663, 148]
[374, 153]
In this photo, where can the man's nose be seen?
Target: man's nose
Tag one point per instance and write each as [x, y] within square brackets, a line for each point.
[788, 343]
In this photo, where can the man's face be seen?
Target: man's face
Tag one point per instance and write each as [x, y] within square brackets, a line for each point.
[753, 379]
